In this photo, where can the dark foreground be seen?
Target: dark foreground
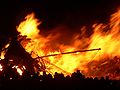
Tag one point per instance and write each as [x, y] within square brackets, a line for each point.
[76, 81]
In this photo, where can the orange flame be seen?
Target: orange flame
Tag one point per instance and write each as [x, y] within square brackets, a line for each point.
[105, 36]
[29, 27]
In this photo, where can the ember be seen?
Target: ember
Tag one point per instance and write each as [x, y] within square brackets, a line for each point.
[1, 67]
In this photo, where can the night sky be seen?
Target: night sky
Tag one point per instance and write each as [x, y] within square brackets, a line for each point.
[71, 13]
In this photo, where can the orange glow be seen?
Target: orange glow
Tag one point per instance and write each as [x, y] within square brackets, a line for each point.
[107, 40]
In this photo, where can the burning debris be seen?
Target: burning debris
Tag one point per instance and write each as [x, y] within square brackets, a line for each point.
[16, 57]
[109, 67]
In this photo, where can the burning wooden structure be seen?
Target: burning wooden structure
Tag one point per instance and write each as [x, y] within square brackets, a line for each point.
[15, 55]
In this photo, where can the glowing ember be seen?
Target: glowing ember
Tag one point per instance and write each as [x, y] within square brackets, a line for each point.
[19, 70]
[105, 36]
[2, 55]
[1, 67]
[3, 52]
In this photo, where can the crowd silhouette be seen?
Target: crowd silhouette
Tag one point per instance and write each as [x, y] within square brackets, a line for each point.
[10, 78]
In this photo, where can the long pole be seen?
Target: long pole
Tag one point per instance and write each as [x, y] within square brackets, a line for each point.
[69, 52]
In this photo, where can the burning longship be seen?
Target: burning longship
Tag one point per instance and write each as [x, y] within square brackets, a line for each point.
[48, 53]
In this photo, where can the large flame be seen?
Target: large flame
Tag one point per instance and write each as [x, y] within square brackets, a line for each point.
[29, 27]
[104, 36]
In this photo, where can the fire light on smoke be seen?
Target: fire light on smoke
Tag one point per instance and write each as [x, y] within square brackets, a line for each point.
[104, 36]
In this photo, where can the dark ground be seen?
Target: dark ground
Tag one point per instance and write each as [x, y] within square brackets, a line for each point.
[76, 81]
